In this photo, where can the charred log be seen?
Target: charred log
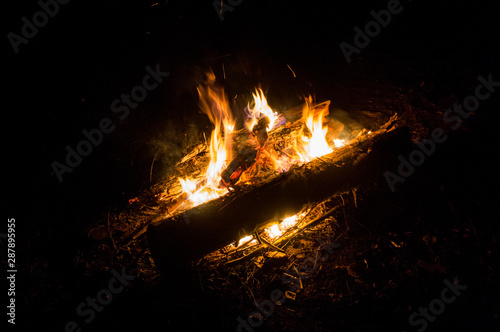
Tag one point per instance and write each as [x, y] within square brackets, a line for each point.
[244, 159]
[260, 130]
[246, 155]
[193, 234]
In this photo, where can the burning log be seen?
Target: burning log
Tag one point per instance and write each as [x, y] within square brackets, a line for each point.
[246, 156]
[244, 159]
[178, 240]
[260, 130]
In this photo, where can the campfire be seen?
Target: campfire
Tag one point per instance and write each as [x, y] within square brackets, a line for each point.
[259, 149]
[267, 145]
[252, 184]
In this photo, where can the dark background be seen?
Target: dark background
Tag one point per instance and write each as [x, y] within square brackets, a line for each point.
[65, 79]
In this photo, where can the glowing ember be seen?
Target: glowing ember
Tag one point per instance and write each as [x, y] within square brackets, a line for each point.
[276, 230]
[290, 221]
[283, 163]
[260, 109]
[206, 194]
[273, 231]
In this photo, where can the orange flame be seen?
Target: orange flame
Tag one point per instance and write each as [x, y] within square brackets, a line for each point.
[260, 108]
[316, 145]
[214, 103]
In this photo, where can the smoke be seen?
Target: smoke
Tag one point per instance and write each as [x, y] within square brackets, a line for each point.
[173, 141]
[342, 125]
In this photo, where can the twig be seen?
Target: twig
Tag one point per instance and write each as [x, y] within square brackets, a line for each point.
[150, 207]
[282, 239]
[474, 229]
[244, 257]
[343, 208]
[109, 233]
[323, 160]
[320, 218]
[138, 232]
[296, 226]
[269, 244]
[354, 196]
[350, 293]
[139, 255]
[299, 275]
[254, 300]
[151, 170]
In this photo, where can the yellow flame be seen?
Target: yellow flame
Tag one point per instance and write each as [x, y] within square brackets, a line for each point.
[214, 103]
[316, 145]
[260, 108]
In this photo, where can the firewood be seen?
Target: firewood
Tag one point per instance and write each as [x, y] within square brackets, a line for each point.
[193, 234]
[246, 154]
[281, 243]
[243, 160]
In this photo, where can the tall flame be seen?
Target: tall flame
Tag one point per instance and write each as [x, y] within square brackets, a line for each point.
[260, 108]
[314, 145]
[214, 103]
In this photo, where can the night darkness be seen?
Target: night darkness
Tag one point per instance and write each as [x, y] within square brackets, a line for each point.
[68, 82]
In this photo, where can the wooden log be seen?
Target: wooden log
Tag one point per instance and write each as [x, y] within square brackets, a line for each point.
[191, 235]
